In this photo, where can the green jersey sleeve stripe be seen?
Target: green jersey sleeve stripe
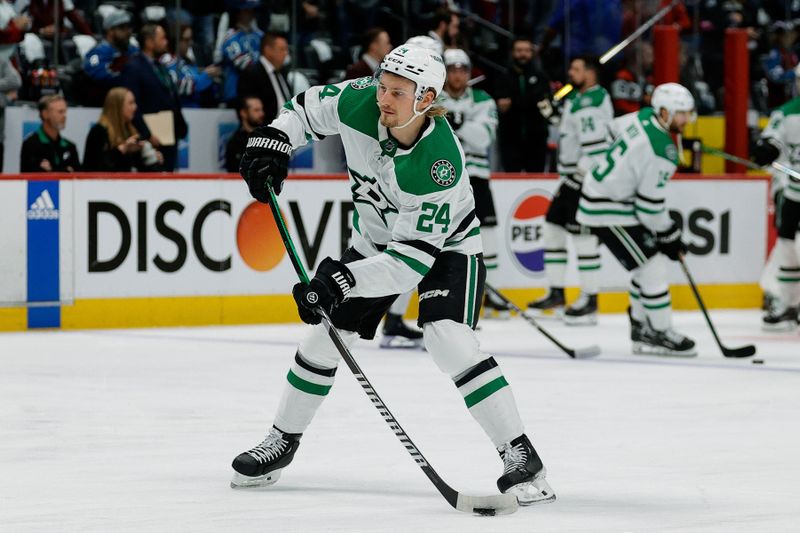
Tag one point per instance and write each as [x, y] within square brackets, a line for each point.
[474, 231]
[412, 263]
[649, 211]
[606, 211]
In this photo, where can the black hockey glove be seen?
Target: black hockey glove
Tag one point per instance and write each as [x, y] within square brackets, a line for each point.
[670, 244]
[549, 111]
[265, 161]
[328, 288]
[456, 119]
[765, 153]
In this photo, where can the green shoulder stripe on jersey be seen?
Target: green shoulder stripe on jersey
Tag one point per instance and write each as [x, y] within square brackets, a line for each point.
[660, 140]
[358, 110]
[434, 164]
[591, 98]
[288, 105]
[479, 95]
[792, 107]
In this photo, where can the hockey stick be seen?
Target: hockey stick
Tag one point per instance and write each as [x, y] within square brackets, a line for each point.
[483, 505]
[744, 351]
[620, 46]
[792, 173]
[580, 353]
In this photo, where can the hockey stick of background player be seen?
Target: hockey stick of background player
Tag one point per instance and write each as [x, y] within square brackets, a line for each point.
[620, 46]
[792, 173]
[483, 505]
[580, 353]
[744, 351]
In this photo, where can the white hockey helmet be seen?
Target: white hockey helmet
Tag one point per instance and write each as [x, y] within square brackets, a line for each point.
[424, 67]
[455, 57]
[673, 97]
[429, 43]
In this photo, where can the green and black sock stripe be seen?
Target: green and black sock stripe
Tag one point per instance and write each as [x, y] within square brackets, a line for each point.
[480, 382]
[589, 262]
[310, 379]
[555, 255]
[655, 301]
[789, 274]
[490, 260]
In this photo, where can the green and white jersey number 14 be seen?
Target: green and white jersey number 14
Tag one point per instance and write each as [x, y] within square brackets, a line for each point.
[614, 151]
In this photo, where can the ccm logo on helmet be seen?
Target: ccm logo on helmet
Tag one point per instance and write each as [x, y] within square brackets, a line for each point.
[269, 144]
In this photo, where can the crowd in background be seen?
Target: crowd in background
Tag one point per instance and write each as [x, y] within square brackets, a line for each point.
[223, 53]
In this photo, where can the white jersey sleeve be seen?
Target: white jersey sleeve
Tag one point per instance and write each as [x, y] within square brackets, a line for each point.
[311, 115]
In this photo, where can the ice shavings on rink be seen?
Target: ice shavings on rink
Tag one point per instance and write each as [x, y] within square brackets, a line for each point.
[134, 430]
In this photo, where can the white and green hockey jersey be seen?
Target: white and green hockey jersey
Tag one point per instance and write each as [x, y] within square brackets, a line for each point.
[478, 114]
[783, 131]
[410, 203]
[629, 186]
[583, 133]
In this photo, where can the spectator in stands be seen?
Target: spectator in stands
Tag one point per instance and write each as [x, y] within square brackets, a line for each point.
[266, 78]
[12, 28]
[103, 64]
[444, 27]
[45, 150]
[374, 45]
[195, 86]
[779, 64]
[251, 116]
[10, 82]
[241, 45]
[587, 26]
[42, 11]
[113, 144]
[154, 91]
[522, 129]
[633, 82]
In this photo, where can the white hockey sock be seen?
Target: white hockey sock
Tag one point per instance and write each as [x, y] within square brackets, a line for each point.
[788, 272]
[654, 297]
[400, 306]
[769, 276]
[490, 401]
[588, 249]
[555, 254]
[310, 379]
[489, 239]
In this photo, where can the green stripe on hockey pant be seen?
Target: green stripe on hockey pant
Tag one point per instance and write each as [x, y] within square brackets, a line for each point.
[489, 399]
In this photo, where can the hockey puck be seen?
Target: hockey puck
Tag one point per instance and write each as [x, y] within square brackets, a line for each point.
[757, 361]
[483, 511]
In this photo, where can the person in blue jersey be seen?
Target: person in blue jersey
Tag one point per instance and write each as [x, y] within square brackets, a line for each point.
[241, 45]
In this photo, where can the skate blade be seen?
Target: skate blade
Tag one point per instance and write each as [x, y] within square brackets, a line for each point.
[395, 342]
[585, 320]
[534, 492]
[240, 481]
[648, 349]
[780, 327]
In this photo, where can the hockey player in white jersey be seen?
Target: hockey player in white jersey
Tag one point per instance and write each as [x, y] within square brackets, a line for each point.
[623, 202]
[780, 141]
[472, 114]
[583, 140]
[415, 227]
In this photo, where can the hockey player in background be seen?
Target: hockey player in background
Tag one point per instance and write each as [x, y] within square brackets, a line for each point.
[780, 141]
[583, 140]
[472, 114]
[623, 202]
[415, 227]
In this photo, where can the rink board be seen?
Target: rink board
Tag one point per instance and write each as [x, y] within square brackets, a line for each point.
[141, 250]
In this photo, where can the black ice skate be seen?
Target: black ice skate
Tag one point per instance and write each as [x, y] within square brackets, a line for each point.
[583, 312]
[523, 473]
[649, 341]
[262, 465]
[551, 304]
[779, 317]
[396, 334]
[494, 307]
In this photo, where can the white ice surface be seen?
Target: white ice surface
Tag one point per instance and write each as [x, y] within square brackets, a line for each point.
[134, 430]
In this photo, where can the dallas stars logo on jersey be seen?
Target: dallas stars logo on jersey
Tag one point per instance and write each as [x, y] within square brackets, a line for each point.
[367, 191]
[363, 83]
[443, 172]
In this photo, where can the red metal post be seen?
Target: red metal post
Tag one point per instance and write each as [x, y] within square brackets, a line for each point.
[737, 93]
[666, 54]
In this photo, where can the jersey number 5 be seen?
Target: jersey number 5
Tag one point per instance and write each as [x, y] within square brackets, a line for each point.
[615, 150]
[433, 214]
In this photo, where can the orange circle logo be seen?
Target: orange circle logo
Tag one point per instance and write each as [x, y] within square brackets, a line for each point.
[258, 238]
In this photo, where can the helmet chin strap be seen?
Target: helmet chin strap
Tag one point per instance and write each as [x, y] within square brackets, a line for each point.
[415, 115]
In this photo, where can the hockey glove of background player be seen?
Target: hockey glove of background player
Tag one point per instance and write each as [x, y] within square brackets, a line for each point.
[330, 286]
[265, 161]
[670, 244]
[765, 152]
[455, 118]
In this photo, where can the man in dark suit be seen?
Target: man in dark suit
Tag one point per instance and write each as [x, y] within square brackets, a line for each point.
[154, 90]
[374, 45]
[251, 116]
[266, 79]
